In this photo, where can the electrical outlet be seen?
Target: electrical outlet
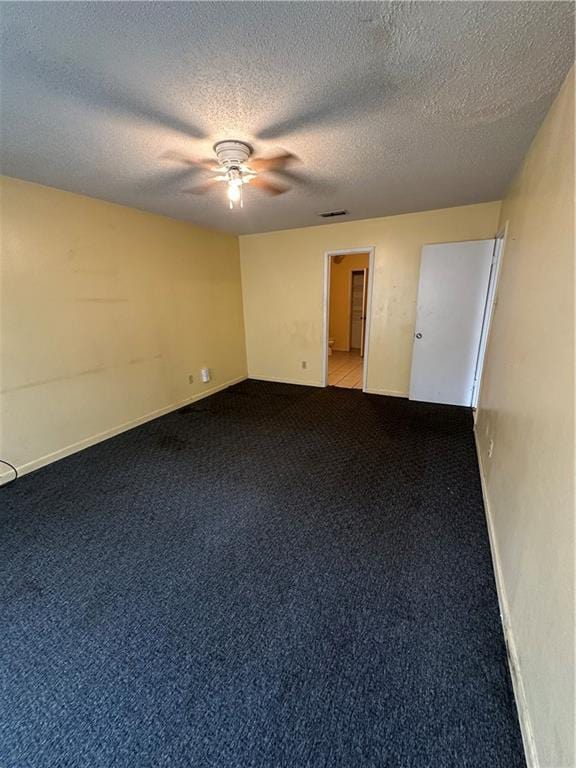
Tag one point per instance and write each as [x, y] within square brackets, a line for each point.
[190, 379]
[490, 449]
[304, 365]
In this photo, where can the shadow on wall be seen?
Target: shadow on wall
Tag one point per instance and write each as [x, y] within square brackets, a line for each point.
[341, 268]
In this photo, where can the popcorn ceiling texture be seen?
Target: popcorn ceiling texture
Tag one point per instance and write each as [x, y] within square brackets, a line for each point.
[392, 107]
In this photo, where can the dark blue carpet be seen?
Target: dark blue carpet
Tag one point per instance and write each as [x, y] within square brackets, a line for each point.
[275, 576]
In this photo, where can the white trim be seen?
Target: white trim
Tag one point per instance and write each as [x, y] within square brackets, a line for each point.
[61, 453]
[370, 250]
[325, 314]
[499, 249]
[368, 323]
[486, 315]
[285, 381]
[526, 729]
[491, 294]
[387, 392]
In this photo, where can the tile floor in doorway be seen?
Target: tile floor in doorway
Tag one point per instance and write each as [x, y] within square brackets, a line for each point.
[345, 369]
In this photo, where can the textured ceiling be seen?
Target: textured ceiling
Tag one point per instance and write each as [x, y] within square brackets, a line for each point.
[391, 107]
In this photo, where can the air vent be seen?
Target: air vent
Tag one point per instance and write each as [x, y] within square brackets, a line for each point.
[330, 214]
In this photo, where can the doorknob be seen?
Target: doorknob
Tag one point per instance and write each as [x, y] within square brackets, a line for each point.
[418, 335]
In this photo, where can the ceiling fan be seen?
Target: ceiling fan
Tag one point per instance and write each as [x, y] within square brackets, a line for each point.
[115, 99]
[235, 166]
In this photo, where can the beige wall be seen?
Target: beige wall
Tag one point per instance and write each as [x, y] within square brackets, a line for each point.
[105, 312]
[527, 410]
[282, 283]
[341, 297]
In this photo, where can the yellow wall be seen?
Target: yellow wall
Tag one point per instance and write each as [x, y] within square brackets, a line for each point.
[341, 295]
[282, 284]
[527, 409]
[105, 312]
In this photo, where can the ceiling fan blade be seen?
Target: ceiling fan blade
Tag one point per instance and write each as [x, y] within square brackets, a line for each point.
[270, 187]
[272, 163]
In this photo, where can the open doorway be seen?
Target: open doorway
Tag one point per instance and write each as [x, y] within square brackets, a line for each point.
[348, 284]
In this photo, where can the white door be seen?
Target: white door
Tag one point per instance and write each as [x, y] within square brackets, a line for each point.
[452, 296]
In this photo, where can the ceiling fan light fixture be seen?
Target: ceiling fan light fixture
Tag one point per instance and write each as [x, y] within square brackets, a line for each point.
[234, 193]
[236, 180]
[236, 167]
[232, 156]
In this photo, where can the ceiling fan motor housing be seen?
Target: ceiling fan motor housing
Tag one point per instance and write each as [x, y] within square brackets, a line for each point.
[232, 153]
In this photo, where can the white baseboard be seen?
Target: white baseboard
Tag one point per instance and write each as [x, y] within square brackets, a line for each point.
[278, 380]
[30, 466]
[526, 729]
[388, 392]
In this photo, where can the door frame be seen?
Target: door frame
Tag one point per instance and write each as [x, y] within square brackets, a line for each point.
[370, 250]
[491, 302]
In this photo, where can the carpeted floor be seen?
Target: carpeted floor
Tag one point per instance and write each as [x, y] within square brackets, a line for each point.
[277, 576]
